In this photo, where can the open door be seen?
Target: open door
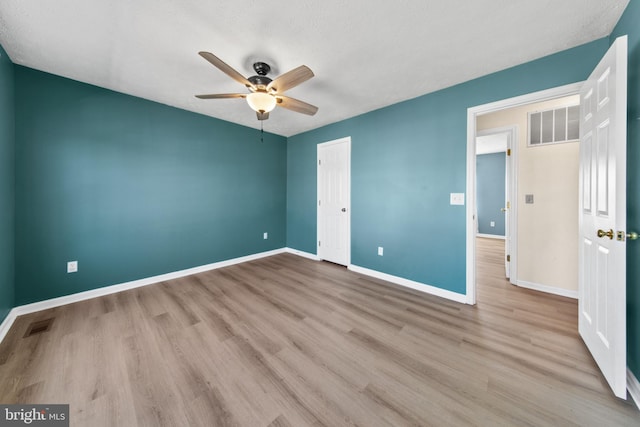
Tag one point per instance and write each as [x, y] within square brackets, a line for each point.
[508, 218]
[602, 215]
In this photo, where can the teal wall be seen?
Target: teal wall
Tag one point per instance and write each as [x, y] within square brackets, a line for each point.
[406, 159]
[7, 187]
[630, 24]
[132, 188]
[490, 189]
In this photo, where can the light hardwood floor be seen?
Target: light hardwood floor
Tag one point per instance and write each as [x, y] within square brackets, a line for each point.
[286, 341]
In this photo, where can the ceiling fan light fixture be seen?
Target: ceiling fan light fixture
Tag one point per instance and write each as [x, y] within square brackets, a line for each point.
[261, 102]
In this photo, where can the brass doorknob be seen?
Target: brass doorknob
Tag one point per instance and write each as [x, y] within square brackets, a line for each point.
[632, 235]
[609, 234]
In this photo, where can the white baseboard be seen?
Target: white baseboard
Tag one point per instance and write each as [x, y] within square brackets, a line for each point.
[94, 293]
[302, 254]
[443, 293]
[548, 289]
[633, 386]
[490, 236]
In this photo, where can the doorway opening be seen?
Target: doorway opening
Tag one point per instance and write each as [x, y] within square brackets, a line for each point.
[488, 118]
[495, 189]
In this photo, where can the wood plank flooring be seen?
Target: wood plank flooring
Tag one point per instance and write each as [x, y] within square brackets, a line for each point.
[286, 341]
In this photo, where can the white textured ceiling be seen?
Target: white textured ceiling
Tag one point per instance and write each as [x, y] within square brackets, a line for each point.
[366, 54]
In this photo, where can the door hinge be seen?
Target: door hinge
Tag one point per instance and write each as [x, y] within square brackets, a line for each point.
[319, 202]
[508, 151]
[319, 243]
[508, 258]
[319, 162]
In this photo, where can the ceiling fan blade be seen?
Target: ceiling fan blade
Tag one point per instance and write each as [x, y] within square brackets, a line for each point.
[290, 79]
[222, 95]
[262, 116]
[296, 105]
[222, 66]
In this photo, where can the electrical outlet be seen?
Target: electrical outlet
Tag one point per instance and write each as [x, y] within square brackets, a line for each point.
[380, 250]
[72, 266]
[265, 236]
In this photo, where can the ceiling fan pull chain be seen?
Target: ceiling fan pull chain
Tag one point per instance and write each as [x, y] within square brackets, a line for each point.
[261, 132]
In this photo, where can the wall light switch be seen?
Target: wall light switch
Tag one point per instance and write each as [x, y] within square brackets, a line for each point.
[528, 198]
[265, 236]
[457, 199]
[492, 224]
[72, 266]
[380, 250]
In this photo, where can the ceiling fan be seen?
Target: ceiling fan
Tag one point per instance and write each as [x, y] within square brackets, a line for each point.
[264, 93]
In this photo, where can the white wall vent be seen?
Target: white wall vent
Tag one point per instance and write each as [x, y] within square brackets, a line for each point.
[554, 126]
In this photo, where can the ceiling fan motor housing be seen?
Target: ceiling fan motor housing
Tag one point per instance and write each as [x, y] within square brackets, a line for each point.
[260, 80]
[261, 68]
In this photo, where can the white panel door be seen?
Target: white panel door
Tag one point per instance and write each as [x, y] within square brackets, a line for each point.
[507, 207]
[602, 217]
[334, 201]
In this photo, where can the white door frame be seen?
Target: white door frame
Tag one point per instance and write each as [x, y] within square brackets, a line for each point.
[346, 140]
[510, 194]
[472, 113]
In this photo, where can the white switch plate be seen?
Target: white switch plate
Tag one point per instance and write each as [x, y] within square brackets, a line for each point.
[72, 266]
[457, 199]
[380, 250]
[265, 236]
[492, 224]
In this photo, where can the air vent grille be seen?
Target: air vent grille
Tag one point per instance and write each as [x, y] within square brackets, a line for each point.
[38, 327]
[554, 126]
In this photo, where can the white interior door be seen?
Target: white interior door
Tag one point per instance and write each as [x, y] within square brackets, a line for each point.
[334, 201]
[602, 217]
[507, 206]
